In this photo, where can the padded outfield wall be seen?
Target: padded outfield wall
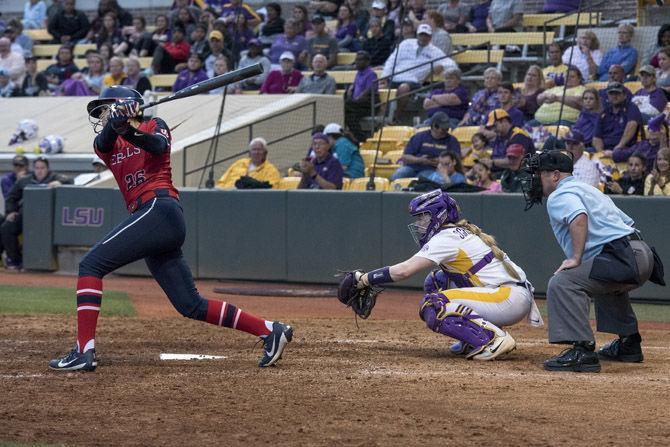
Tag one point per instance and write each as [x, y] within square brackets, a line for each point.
[307, 236]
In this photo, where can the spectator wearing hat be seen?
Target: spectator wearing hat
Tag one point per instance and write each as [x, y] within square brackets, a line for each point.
[323, 170]
[616, 74]
[376, 43]
[504, 15]
[452, 98]
[623, 54]
[345, 151]
[255, 166]
[11, 61]
[255, 56]
[584, 169]
[34, 14]
[358, 96]
[98, 167]
[318, 82]
[411, 52]
[169, 54]
[420, 156]
[8, 88]
[513, 176]
[619, 124]
[507, 134]
[649, 99]
[217, 49]
[658, 139]
[284, 80]
[68, 25]
[19, 169]
[322, 42]
[192, 74]
[386, 24]
[289, 41]
[632, 181]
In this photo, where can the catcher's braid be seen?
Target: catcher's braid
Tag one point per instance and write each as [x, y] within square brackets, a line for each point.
[491, 242]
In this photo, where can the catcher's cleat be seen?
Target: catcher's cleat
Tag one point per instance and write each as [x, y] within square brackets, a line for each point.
[75, 361]
[274, 343]
[460, 348]
[500, 345]
[579, 358]
[623, 349]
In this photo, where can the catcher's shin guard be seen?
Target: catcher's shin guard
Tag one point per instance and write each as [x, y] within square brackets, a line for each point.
[456, 320]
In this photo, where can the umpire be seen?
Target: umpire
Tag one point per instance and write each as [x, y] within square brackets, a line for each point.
[605, 259]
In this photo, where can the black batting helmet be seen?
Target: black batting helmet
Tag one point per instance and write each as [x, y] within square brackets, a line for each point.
[109, 96]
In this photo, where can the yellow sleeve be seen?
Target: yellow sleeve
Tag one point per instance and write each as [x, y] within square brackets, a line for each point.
[234, 172]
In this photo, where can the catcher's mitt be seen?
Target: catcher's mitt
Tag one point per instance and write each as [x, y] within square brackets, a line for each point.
[361, 298]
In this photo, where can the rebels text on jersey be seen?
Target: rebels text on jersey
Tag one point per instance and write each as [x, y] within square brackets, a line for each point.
[136, 169]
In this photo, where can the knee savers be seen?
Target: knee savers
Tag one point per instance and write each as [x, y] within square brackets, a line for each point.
[435, 281]
[453, 320]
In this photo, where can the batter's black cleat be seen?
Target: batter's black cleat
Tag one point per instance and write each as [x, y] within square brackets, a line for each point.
[623, 349]
[274, 343]
[580, 358]
[75, 361]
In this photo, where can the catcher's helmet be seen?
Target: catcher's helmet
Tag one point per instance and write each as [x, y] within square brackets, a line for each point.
[52, 144]
[432, 210]
[109, 96]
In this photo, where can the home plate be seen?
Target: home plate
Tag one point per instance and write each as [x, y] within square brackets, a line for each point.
[166, 356]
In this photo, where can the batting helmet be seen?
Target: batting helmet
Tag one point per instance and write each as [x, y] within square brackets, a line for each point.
[432, 210]
[109, 96]
[52, 144]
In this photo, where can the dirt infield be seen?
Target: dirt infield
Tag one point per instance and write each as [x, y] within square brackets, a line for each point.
[390, 383]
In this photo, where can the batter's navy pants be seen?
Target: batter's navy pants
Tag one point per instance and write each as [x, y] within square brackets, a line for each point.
[155, 232]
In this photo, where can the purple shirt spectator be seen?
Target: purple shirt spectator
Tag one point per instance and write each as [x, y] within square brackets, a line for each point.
[187, 78]
[423, 143]
[604, 100]
[644, 147]
[7, 182]
[278, 82]
[657, 99]
[560, 5]
[329, 169]
[296, 46]
[586, 124]
[483, 102]
[478, 15]
[364, 80]
[344, 31]
[610, 125]
[457, 112]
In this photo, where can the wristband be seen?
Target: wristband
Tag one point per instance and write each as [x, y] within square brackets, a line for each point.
[380, 276]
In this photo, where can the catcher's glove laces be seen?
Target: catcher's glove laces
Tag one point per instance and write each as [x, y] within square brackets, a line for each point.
[353, 293]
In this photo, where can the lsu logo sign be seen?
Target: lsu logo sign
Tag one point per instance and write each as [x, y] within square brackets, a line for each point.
[82, 216]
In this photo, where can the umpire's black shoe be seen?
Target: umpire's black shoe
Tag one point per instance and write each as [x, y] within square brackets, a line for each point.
[75, 361]
[580, 358]
[274, 343]
[623, 349]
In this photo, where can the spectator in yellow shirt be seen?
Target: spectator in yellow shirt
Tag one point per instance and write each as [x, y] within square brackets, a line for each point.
[254, 166]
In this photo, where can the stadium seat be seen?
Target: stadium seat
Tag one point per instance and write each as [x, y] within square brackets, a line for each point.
[596, 85]
[464, 134]
[38, 35]
[385, 171]
[368, 156]
[394, 156]
[633, 86]
[360, 184]
[50, 50]
[403, 133]
[289, 182]
[479, 57]
[346, 58]
[346, 181]
[163, 80]
[525, 38]
[401, 183]
[555, 20]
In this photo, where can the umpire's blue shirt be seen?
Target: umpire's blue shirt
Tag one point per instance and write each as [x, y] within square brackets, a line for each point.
[606, 222]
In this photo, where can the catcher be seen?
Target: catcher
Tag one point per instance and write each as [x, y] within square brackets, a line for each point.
[476, 291]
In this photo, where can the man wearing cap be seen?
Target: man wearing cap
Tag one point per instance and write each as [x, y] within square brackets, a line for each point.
[322, 42]
[619, 124]
[192, 74]
[605, 259]
[649, 99]
[19, 169]
[584, 169]
[623, 54]
[411, 52]
[504, 15]
[376, 42]
[255, 166]
[289, 41]
[616, 74]
[319, 82]
[345, 151]
[387, 25]
[420, 157]
[506, 135]
[323, 170]
[217, 49]
[512, 177]
[254, 56]
[284, 80]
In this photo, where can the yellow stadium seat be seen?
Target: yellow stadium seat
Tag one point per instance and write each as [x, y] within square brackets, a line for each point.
[38, 35]
[384, 145]
[346, 181]
[524, 38]
[518, 85]
[479, 57]
[596, 85]
[401, 183]
[385, 171]
[464, 134]
[289, 182]
[558, 19]
[360, 184]
[368, 156]
[633, 86]
[395, 133]
[50, 50]
[163, 80]
[346, 58]
[394, 156]
[562, 130]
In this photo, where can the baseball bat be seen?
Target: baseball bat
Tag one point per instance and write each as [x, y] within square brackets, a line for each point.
[210, 84]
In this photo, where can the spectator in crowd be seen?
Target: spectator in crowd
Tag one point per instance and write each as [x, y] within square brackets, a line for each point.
[484, 178]
[105, 51]
[222, 66]
[207, 18]
[358, 96]
[68, 25]
[650, 55]
[360, 14]
[533, 85]
[242, 35]
[550, 100]
[284, 80]
[479, 150]
[619, 124]
[347, 30]
[199, 43]
[216, 5]
[12, 227]
[588, 117]
[455, 16]
[192, 74]
[105, 7]
[632, 181]
[255, 166]
[441, 38]
[186, 20]
[19, 170]
[217, 49]
[89, 82]
[63, 68]
[616, 74]
[387, 25]
[623, 54]
[323, 170]
[325, 8]
[289, 41]
[416, 11]
[254, 56]
[658, 182]
[586, 55]
[322, 42]
[584, 169]
[20, 42]
[449, 169]
[485, 100]
[8, 89]
[395, 12]
[452, 99]
[508, 103]
[513, 175]
[110, 33]
[319, 82]
[169, 54]
[650, 100]
[551, 6]
[193, 10]
[377, 44]
[663, 73]
[53, 8]
[160, 35]
[506, 134]
[407, 30]
[554, 72]
[135, 79]
[34, 82]
[345, 151]
[116, 75]
[133, 37]
[410, 52]
[658, 139]
[420, 156]
[479, 15]
[301, 18]
[274, 24]
[504, 15]
[11, 61]
[233, 9]
[98, 166]
[34, 14]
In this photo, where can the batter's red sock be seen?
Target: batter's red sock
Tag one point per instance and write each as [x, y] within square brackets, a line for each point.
[89, 297]
[221, 313]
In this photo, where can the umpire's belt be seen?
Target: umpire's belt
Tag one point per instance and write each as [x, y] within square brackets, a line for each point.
[148, 195]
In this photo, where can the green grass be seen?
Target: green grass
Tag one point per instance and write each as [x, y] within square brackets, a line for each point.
[645, 312]
[51, 300]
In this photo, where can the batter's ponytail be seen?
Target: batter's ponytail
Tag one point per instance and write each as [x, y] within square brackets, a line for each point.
[491, 242]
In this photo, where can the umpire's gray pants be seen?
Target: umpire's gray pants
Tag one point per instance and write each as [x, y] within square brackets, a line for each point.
[568, 301]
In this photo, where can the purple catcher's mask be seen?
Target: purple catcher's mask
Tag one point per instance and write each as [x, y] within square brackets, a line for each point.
[431, 210]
